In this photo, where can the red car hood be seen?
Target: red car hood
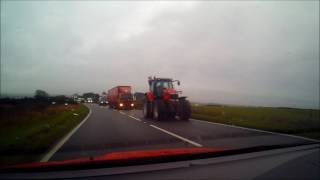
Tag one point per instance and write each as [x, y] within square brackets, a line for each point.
[115, 158]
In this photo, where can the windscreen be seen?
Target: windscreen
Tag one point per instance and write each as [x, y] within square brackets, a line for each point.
[165, 84]
[249, 73]
[126, 97]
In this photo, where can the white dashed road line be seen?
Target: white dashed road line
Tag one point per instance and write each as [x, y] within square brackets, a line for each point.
[167, 132]
[177, 136]
[134, 118]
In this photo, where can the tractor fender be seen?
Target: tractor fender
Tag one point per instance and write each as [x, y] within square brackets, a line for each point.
[149, 97]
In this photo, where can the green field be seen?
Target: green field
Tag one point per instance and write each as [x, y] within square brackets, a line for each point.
[25, 136]
[303, 122]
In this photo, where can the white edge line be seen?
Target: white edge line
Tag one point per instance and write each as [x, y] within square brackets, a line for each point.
[258, 130]
[177, 136]
[134, 118]
[57, 146]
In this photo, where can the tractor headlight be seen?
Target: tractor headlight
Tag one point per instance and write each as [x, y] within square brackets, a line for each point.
[132, 104]
[121, 104]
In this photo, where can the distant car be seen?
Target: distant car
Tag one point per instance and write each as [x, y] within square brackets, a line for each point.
[80, 100]
[103, 101]
[89, 100]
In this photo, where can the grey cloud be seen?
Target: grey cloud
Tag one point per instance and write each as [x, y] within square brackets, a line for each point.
[252, 53]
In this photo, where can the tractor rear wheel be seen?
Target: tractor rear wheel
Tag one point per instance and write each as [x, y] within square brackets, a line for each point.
[184, 109]
[159, 110]
[147, 113]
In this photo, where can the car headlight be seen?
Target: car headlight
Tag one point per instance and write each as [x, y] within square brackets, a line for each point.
[121, 104]
[132, 104]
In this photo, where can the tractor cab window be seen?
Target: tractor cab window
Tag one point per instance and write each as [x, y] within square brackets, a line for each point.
[152, 86]
[167, 84]
[160, 85]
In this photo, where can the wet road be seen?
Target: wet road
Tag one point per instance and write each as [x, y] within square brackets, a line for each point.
[107, 130]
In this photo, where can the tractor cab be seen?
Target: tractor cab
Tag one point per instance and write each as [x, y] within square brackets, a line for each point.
[158, 86]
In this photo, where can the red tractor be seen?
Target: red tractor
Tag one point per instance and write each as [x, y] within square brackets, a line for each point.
[163, 101]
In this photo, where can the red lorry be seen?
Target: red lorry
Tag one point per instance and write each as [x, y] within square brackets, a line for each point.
[120, 97]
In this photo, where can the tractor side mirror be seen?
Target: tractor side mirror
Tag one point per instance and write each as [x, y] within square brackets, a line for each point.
[178, 83]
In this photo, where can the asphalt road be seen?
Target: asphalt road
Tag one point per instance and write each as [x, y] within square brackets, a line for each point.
[108, 130]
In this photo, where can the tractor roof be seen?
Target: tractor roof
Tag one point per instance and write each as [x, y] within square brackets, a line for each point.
[161, 79]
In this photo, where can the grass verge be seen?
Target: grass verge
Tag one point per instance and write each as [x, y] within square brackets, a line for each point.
[24, 138]
[301, 122]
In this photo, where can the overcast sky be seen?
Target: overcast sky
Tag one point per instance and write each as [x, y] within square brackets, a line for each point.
[249, 53]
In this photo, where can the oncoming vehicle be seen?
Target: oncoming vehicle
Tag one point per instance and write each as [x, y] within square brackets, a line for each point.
[103, 101]
[120, 97]
[163, 101]
[89, 100]
[80, 100]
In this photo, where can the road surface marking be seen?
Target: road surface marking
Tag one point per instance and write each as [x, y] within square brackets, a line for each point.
[56, 147]
[177, 136]
[257, 130]
[134, 118]
[122, 113]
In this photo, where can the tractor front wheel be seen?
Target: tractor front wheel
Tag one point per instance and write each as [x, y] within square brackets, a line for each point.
[147, 113]
[159, 110]
[184, 109]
